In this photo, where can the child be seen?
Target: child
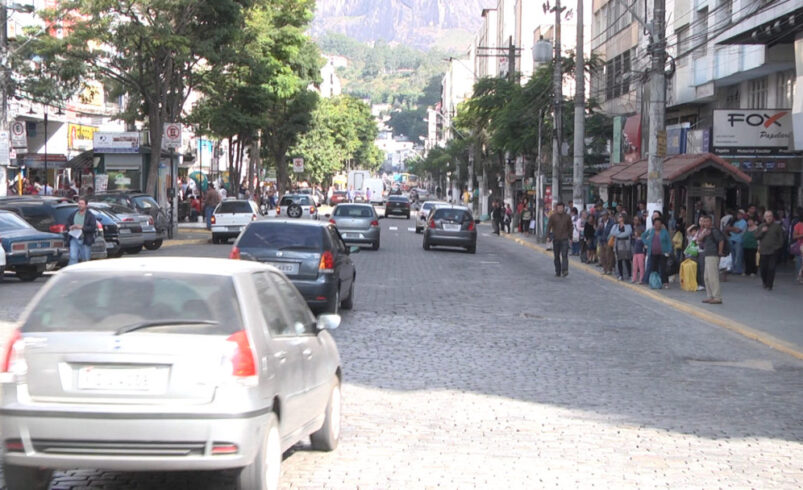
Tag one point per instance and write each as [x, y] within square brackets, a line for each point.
[639, 253]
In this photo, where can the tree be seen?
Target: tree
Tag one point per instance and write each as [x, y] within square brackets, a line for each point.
[153, 50]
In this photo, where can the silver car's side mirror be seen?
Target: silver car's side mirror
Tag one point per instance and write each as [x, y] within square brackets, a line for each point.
[328, 322]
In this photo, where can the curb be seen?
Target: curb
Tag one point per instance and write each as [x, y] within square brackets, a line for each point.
[751, 333]
[176, 243]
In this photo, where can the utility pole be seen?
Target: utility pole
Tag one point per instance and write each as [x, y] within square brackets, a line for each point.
[657, 132]
[579, 114]
[4, 93]
[558, 91]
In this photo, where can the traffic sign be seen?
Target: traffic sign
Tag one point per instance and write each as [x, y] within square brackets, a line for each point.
[19, 137]
[298, 165]
[172, 135]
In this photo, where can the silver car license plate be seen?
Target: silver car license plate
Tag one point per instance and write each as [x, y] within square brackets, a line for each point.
[450, 227]
[124, 231]
[94, 378]
[352, 235]
[290, 268]
[38, 260]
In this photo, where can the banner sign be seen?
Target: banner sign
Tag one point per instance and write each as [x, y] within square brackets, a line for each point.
[752, 131]
[123, 142]
[80, 137]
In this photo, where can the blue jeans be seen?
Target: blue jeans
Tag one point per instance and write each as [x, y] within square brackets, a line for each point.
[78, 251]
[738, 257]
[208, 210]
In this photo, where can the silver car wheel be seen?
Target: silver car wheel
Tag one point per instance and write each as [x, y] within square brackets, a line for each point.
[273, 458]
[334, 412]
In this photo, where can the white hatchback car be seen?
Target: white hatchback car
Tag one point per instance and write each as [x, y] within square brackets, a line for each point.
[297, 206]
[231, 217]
[423, 213]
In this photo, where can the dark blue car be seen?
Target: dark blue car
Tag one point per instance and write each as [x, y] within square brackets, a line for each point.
[28, 251]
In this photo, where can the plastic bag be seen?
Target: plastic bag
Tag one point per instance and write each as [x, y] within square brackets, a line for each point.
[726, 263]
[655, 280]
[692, 250]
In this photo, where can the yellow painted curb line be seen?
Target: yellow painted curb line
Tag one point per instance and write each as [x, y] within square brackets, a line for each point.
[769, 340]
[175, 243]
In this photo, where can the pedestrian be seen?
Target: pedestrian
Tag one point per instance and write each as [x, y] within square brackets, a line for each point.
[659, 246]
[639, 251]
[223, 192]
[82, 229]
[507, 218]
[736, 235]
[350, 194]
[496, 217]
[590, 239]
[368, 195]
[579, 228]
[560, 225]
[712, 246]
[770, 242]
[750, 247]
[603, 236]
[211, 200]
[796, 244]
[575, 232]
[677, 249]
[623, 250]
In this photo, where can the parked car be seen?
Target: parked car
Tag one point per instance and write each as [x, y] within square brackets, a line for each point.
[27, 251]
[398, 205]
[311, 254]
[338, 197]
[142, 203]
[231, 217]
[422, 214]
[133, 217]
[357, 223]
[297, 206]
[317, 197]
[452, 226]
[52, 215]
[203, 364]
[121, 236]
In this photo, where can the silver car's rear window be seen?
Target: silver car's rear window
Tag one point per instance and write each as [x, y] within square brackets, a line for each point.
[281, 236]
[354, 212]
[457, 215]
[105, 302]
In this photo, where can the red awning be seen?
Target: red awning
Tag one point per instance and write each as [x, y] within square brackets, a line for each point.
[680, 167]
[604, 177]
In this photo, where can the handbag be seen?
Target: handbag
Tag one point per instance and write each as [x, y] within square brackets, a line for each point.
[611, 241]
[794, 248]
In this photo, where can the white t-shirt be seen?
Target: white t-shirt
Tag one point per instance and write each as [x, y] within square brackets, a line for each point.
[222, 193]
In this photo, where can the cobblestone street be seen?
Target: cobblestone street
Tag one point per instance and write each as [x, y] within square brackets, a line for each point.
[487, 371]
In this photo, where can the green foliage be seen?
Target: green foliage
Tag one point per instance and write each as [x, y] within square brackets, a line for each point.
[342, 130]
[409, 122]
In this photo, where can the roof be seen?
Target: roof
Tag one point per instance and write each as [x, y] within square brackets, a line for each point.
[604, 177]
[184, 265]
[676, 168]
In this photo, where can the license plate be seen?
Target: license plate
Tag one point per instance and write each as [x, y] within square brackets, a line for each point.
[150, 379]
[286, 267]
[352, 235]
[448, 227]
[235, 228]
[38, 260]
[109, 245]
[124, 231]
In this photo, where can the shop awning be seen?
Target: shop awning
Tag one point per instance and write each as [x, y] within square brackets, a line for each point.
[680, 167]
[83, 162]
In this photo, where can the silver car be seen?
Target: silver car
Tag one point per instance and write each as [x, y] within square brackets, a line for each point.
[297, 206]
[451, 226]
[357, 223]
[167, 364]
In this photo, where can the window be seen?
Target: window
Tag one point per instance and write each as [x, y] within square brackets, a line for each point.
[757, 93]
[682, 45]
[271, 306]
[733, 98]
[234, 207]
[301, 316]
[354, 211]
[617, 75]
[785, 89]
[701, 33]
[281, 236]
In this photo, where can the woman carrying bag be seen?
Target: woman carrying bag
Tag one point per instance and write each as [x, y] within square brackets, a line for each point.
[622, 247]
[659, 246]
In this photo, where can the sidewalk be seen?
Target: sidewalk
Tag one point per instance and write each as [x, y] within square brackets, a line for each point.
[774, 318]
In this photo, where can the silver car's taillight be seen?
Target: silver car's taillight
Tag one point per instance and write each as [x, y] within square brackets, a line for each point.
[14, 356]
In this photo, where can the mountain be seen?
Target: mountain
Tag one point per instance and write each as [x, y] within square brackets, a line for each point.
[424, 24]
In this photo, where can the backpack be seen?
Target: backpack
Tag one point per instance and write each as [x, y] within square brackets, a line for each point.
[655, 280]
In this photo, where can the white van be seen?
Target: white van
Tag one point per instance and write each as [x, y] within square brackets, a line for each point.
[357, 179]
[377, 189]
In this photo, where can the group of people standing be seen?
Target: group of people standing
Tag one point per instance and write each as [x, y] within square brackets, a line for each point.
[744, 243]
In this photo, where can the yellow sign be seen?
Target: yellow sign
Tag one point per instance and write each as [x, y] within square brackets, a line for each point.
[80, 137]
[661, 144]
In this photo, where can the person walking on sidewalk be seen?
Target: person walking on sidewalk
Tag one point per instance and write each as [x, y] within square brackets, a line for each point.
[770, 243]
[560, 225]
[712, 246]
[211, 200]
[750, 247]
[508, 218]
[603, 235]
[659, 246]
[496, 217]
[623, 250]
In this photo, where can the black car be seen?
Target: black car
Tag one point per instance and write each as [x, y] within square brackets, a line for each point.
[120, 236]
[398, 205]
[144, 204]
[310, 253]
[51, 215]
[28, 251]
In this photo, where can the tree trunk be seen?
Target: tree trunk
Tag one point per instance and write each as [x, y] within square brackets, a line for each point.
[281, 173]
[155, 131]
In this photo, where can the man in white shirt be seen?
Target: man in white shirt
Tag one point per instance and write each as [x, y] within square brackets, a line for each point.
[222, 192]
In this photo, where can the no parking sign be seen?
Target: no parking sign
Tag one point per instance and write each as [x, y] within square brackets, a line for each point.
[19, 137]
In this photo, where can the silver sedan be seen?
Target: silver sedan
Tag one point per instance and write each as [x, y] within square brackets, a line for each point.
[357, 223]
[167, 364]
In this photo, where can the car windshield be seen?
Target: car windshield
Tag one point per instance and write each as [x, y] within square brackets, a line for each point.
[457, 215]
[102, 302]
[354, 211]
[281, 236]
[234, 207]
[11, 222]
